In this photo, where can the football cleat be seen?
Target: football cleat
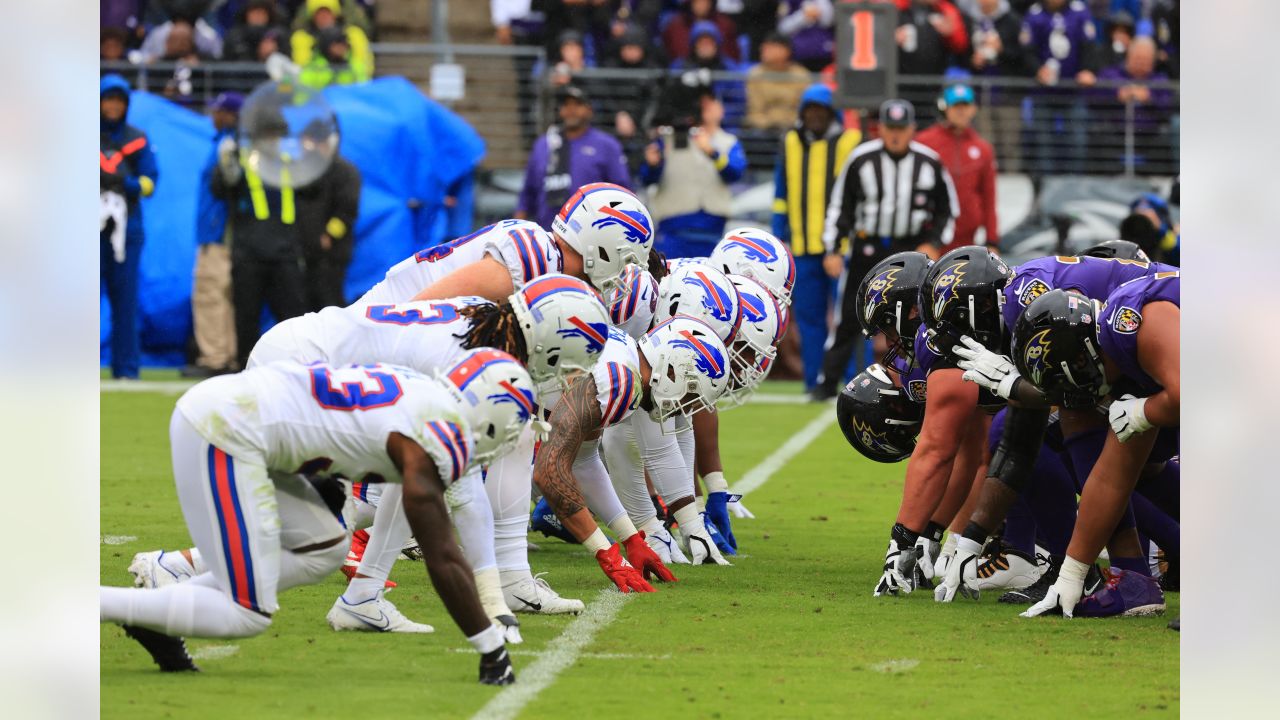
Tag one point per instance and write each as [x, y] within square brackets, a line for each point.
[664, 544]
[157, 568]
[376, 614]
[169, 652]
[702, 548]
[495, 668]
[1005, 569]
[532, 594]
[1176, 624]
[1123, 594]
[411, 551]
[1036, 591]
[544, 520]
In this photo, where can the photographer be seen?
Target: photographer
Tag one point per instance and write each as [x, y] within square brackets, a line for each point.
[692, 161]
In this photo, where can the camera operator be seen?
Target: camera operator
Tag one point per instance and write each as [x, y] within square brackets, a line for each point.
[692, 161]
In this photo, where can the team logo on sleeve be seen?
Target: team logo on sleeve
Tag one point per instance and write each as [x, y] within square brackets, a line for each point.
[707, 359]
[876, 289]
[1032, 290]
[1126, 320]
[596, 334]
[944, 288]
[1036, 356]
[635, 226]
[917, 390]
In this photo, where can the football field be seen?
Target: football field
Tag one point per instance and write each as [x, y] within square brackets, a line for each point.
[790, 630]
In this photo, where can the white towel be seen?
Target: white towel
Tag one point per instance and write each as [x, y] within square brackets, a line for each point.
[114, 206]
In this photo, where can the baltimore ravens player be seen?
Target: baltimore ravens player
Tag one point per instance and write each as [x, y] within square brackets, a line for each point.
[1128, 346]
[241, 445]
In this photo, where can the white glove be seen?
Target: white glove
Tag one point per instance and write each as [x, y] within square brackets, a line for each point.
[899, 567]
[927, 552]
[1065, 593]
[984, 368]
[739, 510]
[964, 559]
[1128, 417]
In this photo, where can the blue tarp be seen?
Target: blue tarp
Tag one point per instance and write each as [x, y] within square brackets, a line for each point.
[409, 149]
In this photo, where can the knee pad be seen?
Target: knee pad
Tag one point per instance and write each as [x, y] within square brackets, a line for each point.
[1015, 454]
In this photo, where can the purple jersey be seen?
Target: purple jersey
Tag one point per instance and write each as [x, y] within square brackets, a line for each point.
[1121, 318]
[1092, 277]
[1062, 37]
[914, 378]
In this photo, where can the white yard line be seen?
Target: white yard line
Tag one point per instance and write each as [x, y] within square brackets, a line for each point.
[172, 387]
[561, 653]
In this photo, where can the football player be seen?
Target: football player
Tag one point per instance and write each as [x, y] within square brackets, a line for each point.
[242, 445]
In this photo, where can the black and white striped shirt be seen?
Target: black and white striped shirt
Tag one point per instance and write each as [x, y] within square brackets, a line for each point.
[908, 200]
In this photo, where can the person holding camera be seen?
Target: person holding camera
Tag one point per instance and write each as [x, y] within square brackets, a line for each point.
[692, 162]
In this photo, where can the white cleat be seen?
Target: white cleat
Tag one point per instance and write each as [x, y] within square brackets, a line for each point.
[1007, 569]
[702, 549]
[376, 614]
[157, 569]
[532, 594]
[664, 545]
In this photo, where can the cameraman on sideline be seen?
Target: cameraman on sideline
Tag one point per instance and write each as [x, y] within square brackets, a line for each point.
[692, 162]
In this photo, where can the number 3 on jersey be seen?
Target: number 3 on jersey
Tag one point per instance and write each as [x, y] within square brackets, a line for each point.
[444, 313]
[359, 387]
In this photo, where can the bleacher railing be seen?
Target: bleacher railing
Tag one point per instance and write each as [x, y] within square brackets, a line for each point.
[510, 94]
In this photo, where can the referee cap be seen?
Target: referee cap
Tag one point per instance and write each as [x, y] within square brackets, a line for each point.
[897, 113]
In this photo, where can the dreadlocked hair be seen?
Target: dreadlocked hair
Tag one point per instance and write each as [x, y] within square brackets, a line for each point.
[496, 326]
[657, 264]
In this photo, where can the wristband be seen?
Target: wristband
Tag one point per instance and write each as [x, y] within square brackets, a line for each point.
[715, 482]
[487, 640]
[1072, 571]
[622, 527]
[902, 536]
[964, 544]
[1005, 388]
[597, 542]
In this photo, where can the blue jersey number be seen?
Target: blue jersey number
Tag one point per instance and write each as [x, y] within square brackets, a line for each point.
[443, 313]
[354, 388]
[441, 252]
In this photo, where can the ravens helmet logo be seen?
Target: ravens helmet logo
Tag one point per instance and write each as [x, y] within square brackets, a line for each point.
[944, 288]
[1036, 356]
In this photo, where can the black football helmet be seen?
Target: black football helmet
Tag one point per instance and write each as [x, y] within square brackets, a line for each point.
[886, 297]
[1055, 347]
[877, 418]
[962, 295]
[1116, 249]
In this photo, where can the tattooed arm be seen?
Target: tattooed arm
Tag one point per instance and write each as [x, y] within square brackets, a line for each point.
[574, 419]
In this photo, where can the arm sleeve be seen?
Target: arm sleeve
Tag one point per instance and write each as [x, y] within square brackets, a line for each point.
[779, 225]
[733, 164]
[617, 391]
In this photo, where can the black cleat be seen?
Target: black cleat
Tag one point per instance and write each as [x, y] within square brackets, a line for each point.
[1176, 624]
[1172, 577]
[1036, 592]
[170, 653]
[495, 668]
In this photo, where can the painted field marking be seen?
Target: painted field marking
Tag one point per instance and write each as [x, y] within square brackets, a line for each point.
[760, 474]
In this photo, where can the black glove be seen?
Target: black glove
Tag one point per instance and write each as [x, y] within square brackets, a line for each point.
[110, 182]
[495, 668]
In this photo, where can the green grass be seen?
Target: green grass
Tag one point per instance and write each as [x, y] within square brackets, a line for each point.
[791, 630]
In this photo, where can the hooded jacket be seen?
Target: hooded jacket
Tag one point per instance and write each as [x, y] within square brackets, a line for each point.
[125, 161]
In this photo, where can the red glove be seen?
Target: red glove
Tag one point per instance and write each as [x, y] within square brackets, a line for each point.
[645, 559]
[626, 577]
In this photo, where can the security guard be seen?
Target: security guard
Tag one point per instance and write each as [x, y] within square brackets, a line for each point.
[811, 156]
[892, 195]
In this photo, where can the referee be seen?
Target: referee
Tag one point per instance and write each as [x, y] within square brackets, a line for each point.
[893, 195]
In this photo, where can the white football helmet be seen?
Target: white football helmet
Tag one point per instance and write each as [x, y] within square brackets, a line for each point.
[688, 367]
[631, 306]
[759, 255]
[498, 399]
[756, 344]
[609, 227]
[564, 323]
[699, 290]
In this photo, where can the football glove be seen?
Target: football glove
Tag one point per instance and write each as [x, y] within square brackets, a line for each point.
[717, 513]
[621, 572]
[721, 543]
[1063, 596]
[738, 509]
[644, 559]
[899, 567]
[703, 549]
[495, 668]
[1128, 417]
[962, 563]
[927, 552]
[984, 368]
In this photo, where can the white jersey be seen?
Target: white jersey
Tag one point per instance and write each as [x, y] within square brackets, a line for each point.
[313, 419]
[617, 378]
[420, 335]
[523, 247]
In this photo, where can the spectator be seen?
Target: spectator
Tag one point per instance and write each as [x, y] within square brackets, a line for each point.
[774, 86]
[212, 314]
[570, 155]
[972, 163]
[996, 50]
[693, 169]
[1118, 33]
[570, 57]
[195, 34]
[333, 63]
[757, 20]
[929, 33]
[1058, 42]
[677, 37]
[640, 14]
[322, 15]
[266, 258]
[627, 106]
[706, 53]
[113, 44]
[1152, 106]
[124, 14]
[818, 146]
[352, 13]
[327, 211]
[809, 25]
[126, 173]
[254, 23]
[591, 19]
[1165, 28]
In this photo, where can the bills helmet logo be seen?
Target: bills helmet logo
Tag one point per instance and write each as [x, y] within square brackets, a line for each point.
[707, 359]
[1126, 320]
[876, 289]
[1031, 291]
[715, 300]
[635, 226]
[596, 334]
[944, 288]
[522, 399]
[917, 390]
[752, 308]
[1036, 355]
[754, 249]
